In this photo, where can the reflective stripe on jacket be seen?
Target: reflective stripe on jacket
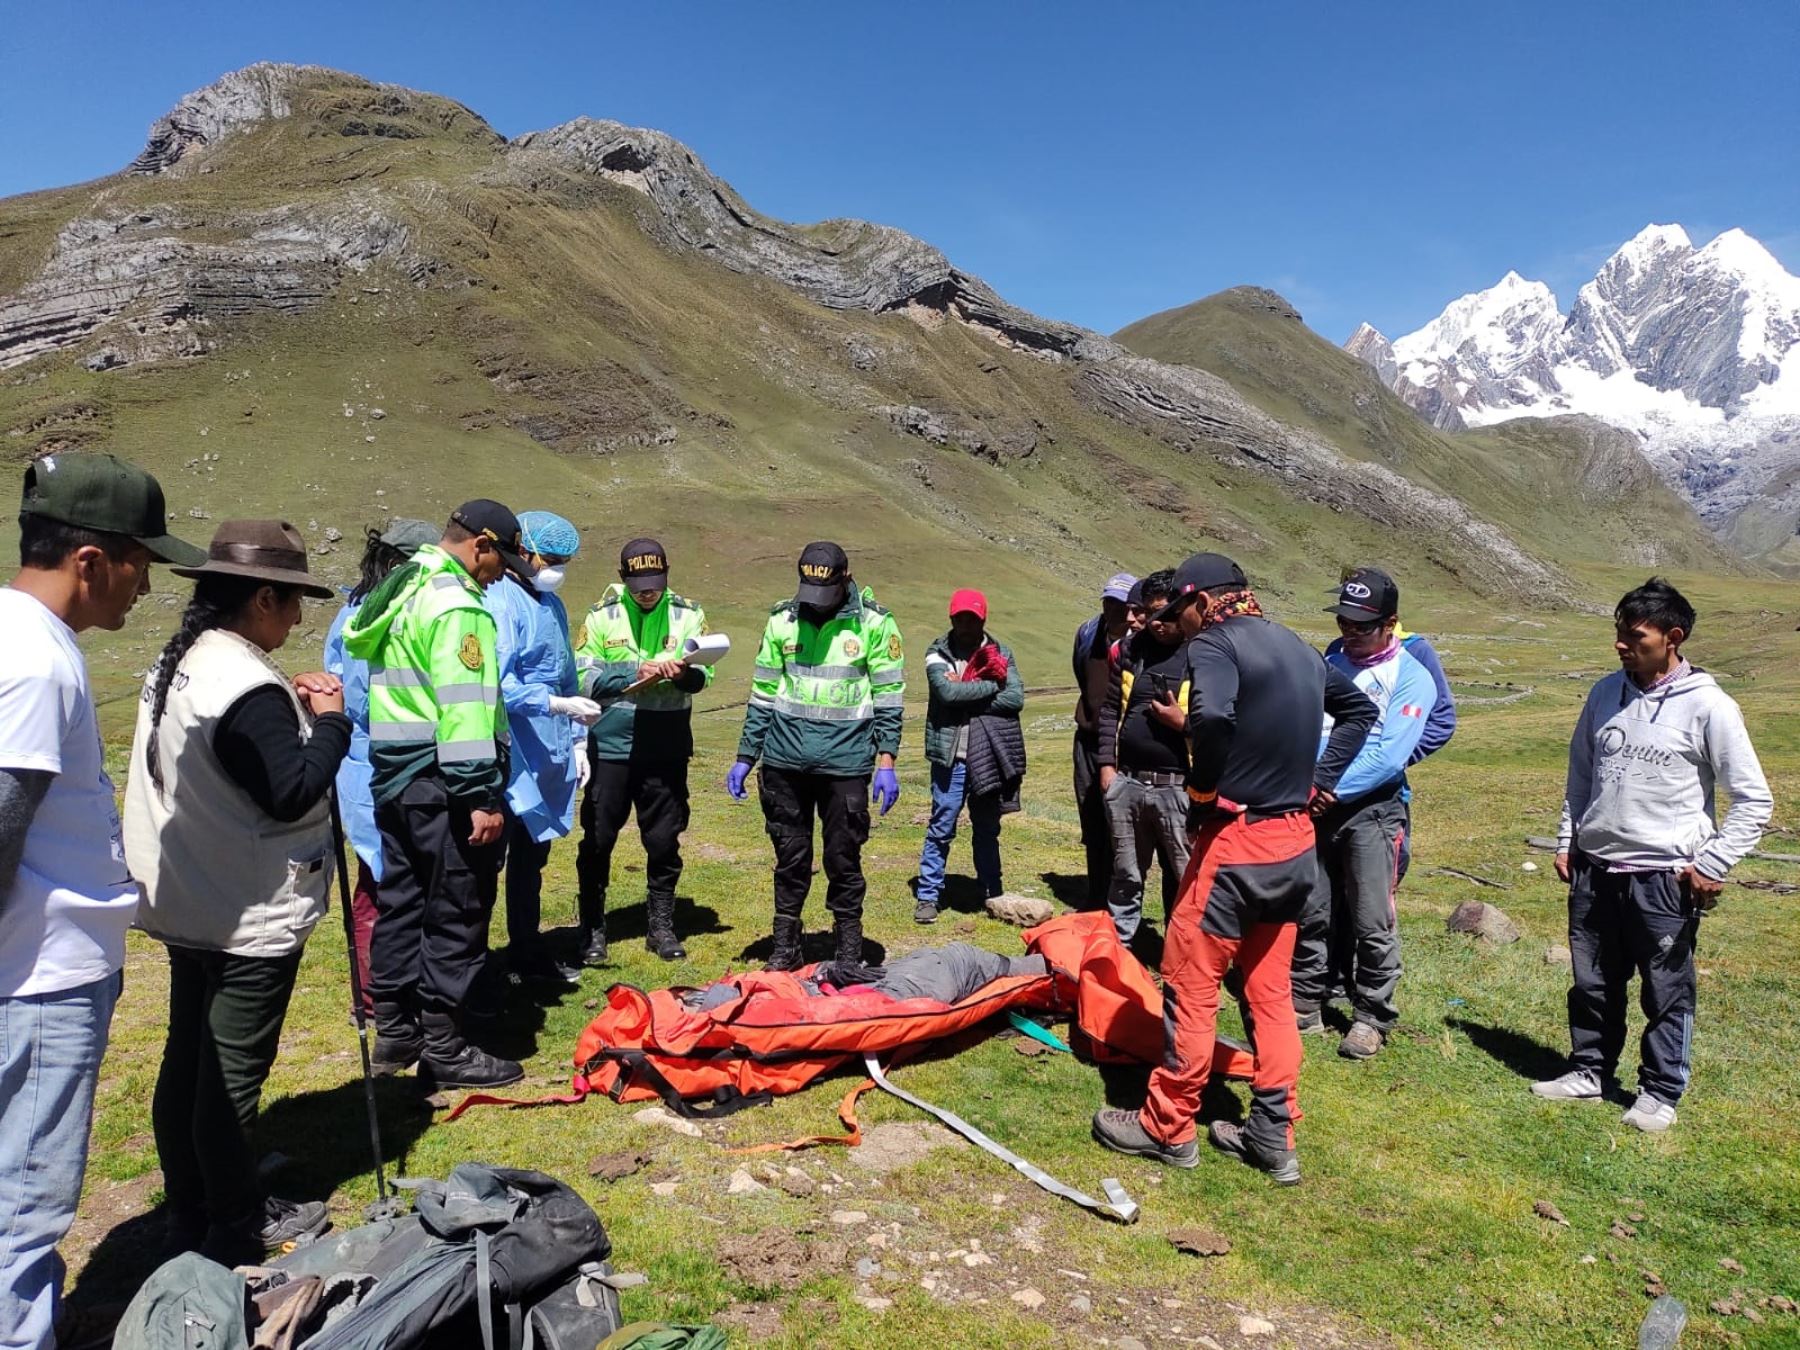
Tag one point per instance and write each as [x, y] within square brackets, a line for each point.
[827, 697]
[434, 683]
[653, 723]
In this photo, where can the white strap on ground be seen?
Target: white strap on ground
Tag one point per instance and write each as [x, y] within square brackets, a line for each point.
[1117, 1204]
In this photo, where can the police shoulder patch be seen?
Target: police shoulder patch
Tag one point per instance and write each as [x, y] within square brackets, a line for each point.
[470, 653]
[580, 637]
[894, 649]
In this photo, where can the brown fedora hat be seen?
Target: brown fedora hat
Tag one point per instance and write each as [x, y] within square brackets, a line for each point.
[261, 550]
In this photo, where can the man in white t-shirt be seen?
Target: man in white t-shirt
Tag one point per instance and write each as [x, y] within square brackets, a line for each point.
[90, 526]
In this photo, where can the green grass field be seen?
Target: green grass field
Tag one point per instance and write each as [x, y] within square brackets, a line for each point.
[1415, 1223]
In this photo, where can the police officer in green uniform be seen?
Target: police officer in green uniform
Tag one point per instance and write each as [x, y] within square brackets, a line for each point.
[640, 747]
[825, 710]
[438, 756]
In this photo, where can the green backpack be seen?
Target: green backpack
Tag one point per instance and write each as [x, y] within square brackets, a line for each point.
[190, 1303]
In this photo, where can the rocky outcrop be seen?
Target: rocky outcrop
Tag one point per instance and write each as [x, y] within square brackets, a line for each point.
[1368, 345]
[153, 280]
[207, 116]
[1198, 411]
[997, 440]
[841, 264]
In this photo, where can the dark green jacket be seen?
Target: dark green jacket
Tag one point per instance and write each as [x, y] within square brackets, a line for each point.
[954, 702]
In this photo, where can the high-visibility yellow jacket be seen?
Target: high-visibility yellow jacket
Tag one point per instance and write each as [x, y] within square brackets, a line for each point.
[616, 638]
[826, 697]
[434, 683]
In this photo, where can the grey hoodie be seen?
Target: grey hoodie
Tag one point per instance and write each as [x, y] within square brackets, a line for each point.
[1642, 769]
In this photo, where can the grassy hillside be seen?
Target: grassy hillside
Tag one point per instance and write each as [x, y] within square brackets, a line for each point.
[1544, 478]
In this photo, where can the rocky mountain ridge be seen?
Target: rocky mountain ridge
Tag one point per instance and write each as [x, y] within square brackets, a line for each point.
[165, 261]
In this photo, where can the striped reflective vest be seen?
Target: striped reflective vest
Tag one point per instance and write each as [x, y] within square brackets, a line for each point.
[826, 697]
[608, 651]
[434, 683]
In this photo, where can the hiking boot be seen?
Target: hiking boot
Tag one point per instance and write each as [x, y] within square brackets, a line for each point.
[1577, 1085]
[277, 1223]
[660, 939]
[1310, 1023]
[534, 964]
[1124, 1132]
[786, 952]
[1362, 1041]
[1649, 1115]
[848, 933]
[592, 944]
[450, 1061]
[398, 1040]
[1282, 1165]
[926, 911]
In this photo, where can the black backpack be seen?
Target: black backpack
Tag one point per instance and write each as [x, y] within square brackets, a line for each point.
[492, 1256]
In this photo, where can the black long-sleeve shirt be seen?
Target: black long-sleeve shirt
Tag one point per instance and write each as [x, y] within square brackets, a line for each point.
[1257, 700]
[258, 743]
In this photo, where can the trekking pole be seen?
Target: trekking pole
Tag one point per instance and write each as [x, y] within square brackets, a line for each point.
[385, 1204]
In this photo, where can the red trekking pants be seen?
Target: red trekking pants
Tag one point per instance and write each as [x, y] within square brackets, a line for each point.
[1241, 898]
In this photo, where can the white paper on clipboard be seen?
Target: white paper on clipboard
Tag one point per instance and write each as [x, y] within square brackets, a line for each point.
[705, 650]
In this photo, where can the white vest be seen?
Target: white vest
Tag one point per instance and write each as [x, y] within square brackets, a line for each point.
[217, 871]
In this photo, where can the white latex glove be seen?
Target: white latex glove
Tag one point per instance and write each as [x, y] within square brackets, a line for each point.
[583, 710]
[584, 768]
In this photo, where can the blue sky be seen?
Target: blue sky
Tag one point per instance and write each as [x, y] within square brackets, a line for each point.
[1095, 162]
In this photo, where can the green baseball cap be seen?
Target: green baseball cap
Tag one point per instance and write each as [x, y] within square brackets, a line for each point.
[102, 493]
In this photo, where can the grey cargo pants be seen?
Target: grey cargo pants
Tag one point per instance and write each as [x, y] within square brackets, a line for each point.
[1349, 934]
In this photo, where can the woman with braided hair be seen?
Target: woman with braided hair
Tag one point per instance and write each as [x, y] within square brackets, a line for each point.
[228, 835]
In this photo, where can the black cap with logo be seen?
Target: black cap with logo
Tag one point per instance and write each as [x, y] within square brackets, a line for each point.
[1212, 572]
[499, 526]
[1366, 595]
[101, 493]
[644, 566]
[824, 575]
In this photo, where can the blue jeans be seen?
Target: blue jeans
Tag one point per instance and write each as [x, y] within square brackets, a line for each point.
[949, 793]
[50, 1051]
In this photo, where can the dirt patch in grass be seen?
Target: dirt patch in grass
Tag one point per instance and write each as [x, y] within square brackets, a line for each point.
[776, 1258]
[887, 1148]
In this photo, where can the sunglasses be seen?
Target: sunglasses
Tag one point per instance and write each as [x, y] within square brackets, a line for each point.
[1350, 628]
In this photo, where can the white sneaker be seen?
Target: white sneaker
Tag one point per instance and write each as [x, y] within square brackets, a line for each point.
[1649, 1115]
[1577, 1085]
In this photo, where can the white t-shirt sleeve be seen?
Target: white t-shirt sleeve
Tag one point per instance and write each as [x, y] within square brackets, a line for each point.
[33, 716]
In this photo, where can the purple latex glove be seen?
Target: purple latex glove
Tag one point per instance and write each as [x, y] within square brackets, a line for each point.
[734, 781]
[887, 789]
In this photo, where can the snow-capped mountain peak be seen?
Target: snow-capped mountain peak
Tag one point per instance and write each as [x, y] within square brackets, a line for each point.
[1686, 346]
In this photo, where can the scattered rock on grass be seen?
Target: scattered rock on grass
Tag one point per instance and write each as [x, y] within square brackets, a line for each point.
[1026, 911]
[656, 1115]
[1545, 1210]
[1029, 1048]
[1255, 1326]
[1199, 1242]
[1557, 955]
[1730, 1266]
[1484, 921]
[742, 1183]
[1621, 1229]
[848, 1218]
[1028, 1298]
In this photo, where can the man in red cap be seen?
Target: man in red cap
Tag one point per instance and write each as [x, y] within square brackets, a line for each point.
[974, 746]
